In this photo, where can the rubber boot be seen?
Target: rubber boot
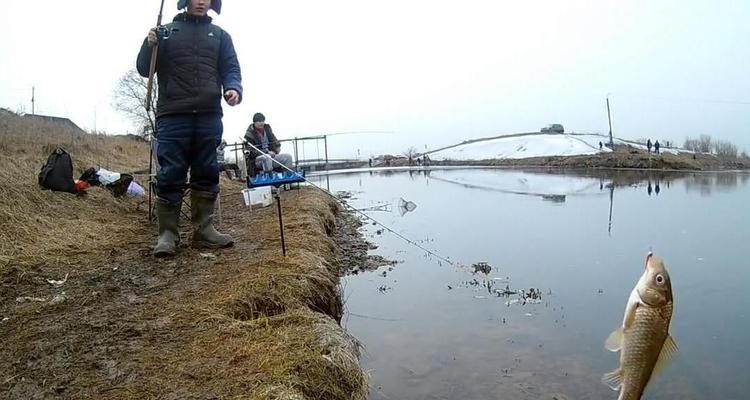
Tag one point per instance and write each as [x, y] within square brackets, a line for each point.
[202, 212]
[168, 216]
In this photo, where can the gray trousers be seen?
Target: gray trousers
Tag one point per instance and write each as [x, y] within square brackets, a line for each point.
[265, 162]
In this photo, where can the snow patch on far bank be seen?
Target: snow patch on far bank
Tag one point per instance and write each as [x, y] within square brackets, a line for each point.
[537, 145]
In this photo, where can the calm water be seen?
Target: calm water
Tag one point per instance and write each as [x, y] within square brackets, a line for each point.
[431, 332]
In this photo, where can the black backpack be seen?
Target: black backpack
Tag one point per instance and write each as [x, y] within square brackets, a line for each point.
[57, 173]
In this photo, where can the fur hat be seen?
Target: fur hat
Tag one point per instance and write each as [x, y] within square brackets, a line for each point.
[215, 5]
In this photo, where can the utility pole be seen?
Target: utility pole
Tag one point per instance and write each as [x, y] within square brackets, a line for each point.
[609, 117]
[33, 90]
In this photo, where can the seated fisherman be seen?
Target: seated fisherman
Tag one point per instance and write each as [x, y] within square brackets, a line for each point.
[260, 135]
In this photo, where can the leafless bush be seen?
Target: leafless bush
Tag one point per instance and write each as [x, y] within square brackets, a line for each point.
[725, 148]
[411, 153]
[705, 143]
[129, 97]
[691, 144]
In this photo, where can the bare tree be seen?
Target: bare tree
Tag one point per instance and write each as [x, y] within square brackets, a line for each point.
[129, 98]
[725, 148]
[411, 152]
[705, 143]
[691, 144]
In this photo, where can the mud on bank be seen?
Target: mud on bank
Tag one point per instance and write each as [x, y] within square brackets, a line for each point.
[242, 322]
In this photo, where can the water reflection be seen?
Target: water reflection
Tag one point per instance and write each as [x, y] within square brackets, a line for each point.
[706, 183]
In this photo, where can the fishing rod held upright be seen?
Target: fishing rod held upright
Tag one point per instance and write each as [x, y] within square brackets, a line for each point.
[152, 67]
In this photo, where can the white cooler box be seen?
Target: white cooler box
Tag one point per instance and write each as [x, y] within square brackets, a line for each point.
[257, 197]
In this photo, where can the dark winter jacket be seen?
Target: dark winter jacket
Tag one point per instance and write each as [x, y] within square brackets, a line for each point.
[252, 137]
[195, 65]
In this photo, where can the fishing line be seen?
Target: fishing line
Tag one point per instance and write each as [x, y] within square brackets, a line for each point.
[681, 99]
[351, 208]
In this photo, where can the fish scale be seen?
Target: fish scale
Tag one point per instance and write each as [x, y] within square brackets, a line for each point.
[642, 345]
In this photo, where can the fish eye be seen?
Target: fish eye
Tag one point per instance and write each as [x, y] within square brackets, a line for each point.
[659, 279]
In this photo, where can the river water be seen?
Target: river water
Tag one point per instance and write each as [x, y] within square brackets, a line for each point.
[433, 329]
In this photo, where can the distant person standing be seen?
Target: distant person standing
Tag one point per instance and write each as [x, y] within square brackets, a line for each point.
[656, 147]
[196, 66]
[220, 155]
[601, 146]
[224, 166]
[648, 145]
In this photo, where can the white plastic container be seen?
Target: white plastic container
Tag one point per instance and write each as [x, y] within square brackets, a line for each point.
[257, 197]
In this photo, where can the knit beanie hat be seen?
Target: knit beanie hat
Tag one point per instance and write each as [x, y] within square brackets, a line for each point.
[215, 5]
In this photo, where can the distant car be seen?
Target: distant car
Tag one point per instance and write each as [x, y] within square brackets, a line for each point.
[554, 128]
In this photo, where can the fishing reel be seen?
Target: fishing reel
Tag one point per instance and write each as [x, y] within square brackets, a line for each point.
[163, 32]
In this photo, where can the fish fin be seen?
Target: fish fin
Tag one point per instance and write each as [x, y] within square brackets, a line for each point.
[613, 379]
[668, 350]
[633, 301]
[614, 340]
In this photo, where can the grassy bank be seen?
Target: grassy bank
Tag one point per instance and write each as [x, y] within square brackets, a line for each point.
[41, 226]
[243, 322]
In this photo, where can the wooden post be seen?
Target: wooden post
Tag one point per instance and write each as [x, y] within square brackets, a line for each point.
[296, 154]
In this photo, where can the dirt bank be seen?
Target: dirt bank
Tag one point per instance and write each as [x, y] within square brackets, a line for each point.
[86, 312]
[242, 322]
[623, 157]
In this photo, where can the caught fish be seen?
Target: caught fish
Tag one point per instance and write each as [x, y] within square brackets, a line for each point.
[643, 340]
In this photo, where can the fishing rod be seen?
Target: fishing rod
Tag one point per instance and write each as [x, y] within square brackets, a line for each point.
[364, 215]
[152, 66]
[147, 105]
[341, 133]
[359, 133]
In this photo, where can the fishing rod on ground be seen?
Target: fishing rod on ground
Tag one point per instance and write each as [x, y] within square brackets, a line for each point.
[364, 215]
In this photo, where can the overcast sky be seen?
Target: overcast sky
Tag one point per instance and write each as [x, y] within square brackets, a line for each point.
[431, 72]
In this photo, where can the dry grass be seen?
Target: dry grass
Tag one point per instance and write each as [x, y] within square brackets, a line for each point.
[259, 326]
[279, 315]
[39, 226]
[298, 354]
[245, 324]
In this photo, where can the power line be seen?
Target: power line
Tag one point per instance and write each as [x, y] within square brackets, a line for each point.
[681, 99]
